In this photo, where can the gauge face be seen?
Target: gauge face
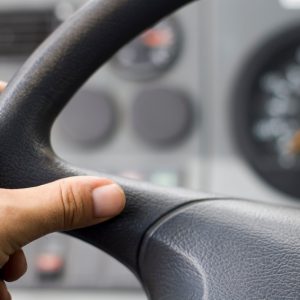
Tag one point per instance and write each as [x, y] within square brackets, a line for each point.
[275, 113]
[267, 112]
[162, 117]
[151, 54]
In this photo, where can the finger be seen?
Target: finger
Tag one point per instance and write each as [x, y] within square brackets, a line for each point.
[15, 268]
[4, 294]
[2, 86]
[62, 205]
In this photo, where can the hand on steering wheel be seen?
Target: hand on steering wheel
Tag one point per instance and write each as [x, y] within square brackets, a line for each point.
[59, 206]
[180, 244]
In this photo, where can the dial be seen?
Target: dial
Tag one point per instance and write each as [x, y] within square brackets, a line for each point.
[89, 118]
[151, 54]
[276, 115]
[162, 117]
[267, 111]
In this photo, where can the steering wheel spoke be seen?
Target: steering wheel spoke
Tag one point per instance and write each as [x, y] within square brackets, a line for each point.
[180, 244]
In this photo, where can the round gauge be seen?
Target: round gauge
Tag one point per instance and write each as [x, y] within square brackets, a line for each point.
[151, 54]
[89, 118]
[162, 117]
[267, 111]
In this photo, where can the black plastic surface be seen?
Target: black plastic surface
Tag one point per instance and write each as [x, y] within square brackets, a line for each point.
[215, 249]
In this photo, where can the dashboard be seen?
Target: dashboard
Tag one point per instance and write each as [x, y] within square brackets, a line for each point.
[207, 99]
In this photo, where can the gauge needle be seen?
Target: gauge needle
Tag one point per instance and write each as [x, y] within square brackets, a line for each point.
[294, 145]
[157, 38]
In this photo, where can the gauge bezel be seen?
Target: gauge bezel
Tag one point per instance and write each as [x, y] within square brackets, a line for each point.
[283, 180]
[126, 74]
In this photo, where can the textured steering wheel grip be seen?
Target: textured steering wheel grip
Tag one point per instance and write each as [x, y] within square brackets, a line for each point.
[179, 244]
[43, 86]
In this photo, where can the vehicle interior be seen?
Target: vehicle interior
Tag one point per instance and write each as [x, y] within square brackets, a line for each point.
[192, 107]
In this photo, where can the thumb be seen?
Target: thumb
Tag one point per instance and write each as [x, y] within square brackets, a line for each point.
[66, 204]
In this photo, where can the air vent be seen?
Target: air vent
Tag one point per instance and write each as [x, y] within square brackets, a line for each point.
[22, 31]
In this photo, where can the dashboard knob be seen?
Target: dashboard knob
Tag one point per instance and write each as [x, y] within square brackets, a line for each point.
[89, 118]
[162, 116]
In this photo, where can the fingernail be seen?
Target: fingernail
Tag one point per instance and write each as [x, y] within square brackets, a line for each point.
[109, 201]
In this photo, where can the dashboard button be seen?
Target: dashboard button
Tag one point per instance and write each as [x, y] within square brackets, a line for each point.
[49, 266]
[165, 178]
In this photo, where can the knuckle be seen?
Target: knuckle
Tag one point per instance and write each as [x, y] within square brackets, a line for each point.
[71, 199]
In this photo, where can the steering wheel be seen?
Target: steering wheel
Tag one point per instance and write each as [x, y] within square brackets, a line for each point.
[180, 244]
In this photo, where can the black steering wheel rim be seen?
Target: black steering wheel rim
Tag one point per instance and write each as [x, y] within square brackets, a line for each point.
[180, 244]
[44, 85]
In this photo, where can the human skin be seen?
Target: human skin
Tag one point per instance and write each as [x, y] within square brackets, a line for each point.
[67, 204]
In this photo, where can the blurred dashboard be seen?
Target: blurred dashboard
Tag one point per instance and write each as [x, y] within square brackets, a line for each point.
[207, 99]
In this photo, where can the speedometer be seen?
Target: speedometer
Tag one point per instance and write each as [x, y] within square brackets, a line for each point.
[267, 111]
